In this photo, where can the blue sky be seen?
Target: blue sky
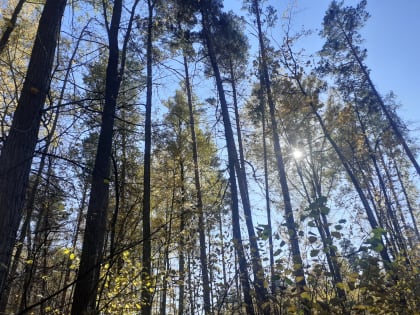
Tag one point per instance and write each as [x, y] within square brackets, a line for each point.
[391, 38]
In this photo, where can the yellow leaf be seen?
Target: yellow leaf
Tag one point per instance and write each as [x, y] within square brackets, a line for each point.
[340, 285]
[305, 295]
[72, 256]
[360, 307]
[265, 284]
[299, 279]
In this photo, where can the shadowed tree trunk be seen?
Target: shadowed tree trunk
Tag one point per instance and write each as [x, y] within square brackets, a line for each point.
[205, 8]
[146, 295]
[370, 214]
[260, 290]
[289, 216]
[199, 199]
[17, 152]
[84, 299]
[267, 192]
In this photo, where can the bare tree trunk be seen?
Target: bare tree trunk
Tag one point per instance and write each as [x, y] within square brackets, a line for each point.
[385, 110]
[190, 286]
[168, 235]
[260, 290]
[17, 152]
[232, 156]
[84, 299]
[396, 229]
[409, 205]
[199, 197]
[289, 216]
[370, 214]
[63, 304]
[147, 243]
[267, 193]
[181, 268]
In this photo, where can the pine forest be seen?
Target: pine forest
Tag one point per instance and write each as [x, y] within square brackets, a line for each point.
[184, 157]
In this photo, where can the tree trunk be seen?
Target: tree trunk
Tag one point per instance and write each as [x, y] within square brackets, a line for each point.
[17, 152]
[84, 299]
[387, 114]
[260, 290]
[199, 199]
[396, 229]
[232, 156]
[181, 263]
[289, 216]
[147, 243]
[370, 214]
[408, 202]
[267, 192]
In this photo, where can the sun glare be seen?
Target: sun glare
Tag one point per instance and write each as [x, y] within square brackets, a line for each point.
[297, 154]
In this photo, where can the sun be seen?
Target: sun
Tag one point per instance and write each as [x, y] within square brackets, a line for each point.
[297, 154]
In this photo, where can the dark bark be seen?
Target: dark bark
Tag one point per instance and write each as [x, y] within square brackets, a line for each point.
[322, 225]
[384, 108]
[267, 197]
[289, 216]
[181, 243]
[147, 243]
[17, 152]
[370, 214]
[199, 199]
[390, 212]
[40, 247]
[84, 299]
[181, 268]
[261, 292]
[408, 202]
[205, 7]
[292, 66]
[168, 235]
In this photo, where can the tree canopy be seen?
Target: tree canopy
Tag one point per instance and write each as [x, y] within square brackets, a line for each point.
[176, 157]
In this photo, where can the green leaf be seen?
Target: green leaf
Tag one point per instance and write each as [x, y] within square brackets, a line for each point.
[336, 234]
[288, 281]
[325, 210]
[277, 252]
[314, 252]
[312, 239]
[378, 247]
[312, 224]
